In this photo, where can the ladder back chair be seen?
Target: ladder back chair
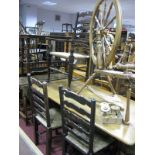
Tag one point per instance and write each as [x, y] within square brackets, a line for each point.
[25, 109]
[78, 123]
[42, 114]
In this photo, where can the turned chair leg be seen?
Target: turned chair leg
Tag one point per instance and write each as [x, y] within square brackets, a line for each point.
[36, 135]
[64, 149]
[25, 109]
[48, 141]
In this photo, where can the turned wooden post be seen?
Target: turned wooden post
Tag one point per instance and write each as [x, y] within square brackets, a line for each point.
[127, 112]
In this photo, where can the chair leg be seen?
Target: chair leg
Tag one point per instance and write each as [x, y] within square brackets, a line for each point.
[36, 136]
[64, 149]
[57, 131]
[48, 141]
[25, 109]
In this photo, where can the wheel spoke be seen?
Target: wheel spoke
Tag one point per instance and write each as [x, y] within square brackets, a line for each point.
[108, 13]
[110, 22]
[101, 16]
[104, 14]
[98, 23]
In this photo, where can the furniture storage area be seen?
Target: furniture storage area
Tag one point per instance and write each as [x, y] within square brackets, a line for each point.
[77, 80]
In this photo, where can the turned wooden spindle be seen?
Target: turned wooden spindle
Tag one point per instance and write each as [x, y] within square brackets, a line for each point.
[127, 112]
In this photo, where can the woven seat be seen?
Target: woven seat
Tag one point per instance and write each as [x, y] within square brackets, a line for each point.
[98, 144]
[55, 118]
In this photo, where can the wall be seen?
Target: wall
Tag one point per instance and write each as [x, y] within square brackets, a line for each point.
[128, 14]
[49, 18]
[29, 15]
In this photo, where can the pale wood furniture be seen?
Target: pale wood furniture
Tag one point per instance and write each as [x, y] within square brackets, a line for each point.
[123, 133]
[71, 58]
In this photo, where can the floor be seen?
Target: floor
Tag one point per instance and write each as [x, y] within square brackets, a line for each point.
[56, 144]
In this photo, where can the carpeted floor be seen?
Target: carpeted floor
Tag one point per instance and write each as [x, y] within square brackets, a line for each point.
[56, 141]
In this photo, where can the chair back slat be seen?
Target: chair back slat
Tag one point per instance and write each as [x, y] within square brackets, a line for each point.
[74, 117]
[78, 98]
[39, 100]
[76, 134]
[37, 93]
[76, 125]
[39, 106]
[73, 113]
[76, 108]
[39, 112]
[36, 82]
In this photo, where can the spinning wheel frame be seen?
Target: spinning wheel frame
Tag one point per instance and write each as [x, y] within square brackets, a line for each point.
[98, 60]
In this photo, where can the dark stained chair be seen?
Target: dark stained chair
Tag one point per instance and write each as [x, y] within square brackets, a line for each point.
[78, 119]
[42, 114]
[25, 109]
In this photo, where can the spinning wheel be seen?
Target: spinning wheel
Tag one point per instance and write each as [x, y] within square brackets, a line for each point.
[102, 41]
[103, 44]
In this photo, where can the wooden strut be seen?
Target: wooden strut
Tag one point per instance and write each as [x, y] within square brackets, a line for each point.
[127, 112]
[86, 83]
[124, 66]
[108, 73]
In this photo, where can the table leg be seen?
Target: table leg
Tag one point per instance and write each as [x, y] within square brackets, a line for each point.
[70, 68]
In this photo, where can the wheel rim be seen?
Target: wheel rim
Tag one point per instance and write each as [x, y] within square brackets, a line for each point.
[104, 15]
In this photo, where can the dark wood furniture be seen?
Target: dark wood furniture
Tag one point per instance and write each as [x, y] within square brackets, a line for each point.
[32, 54]
[79, 124]
[66, 27]
[33, 51]
[42, 114]
[25, 109]
[82, 24]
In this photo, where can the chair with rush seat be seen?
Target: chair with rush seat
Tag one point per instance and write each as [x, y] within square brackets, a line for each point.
[78, 123]
[49, 118]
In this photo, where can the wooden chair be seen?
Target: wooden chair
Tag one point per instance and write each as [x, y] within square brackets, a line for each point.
[49, 118]
[78, 118]
[25, 109]
[82, 24]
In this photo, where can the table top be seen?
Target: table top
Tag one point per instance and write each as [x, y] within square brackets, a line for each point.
[66, 55]
[122, 132]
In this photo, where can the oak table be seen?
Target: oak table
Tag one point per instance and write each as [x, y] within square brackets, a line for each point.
[122, 132]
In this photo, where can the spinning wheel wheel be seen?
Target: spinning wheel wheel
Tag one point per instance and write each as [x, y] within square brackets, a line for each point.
[102, 41]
